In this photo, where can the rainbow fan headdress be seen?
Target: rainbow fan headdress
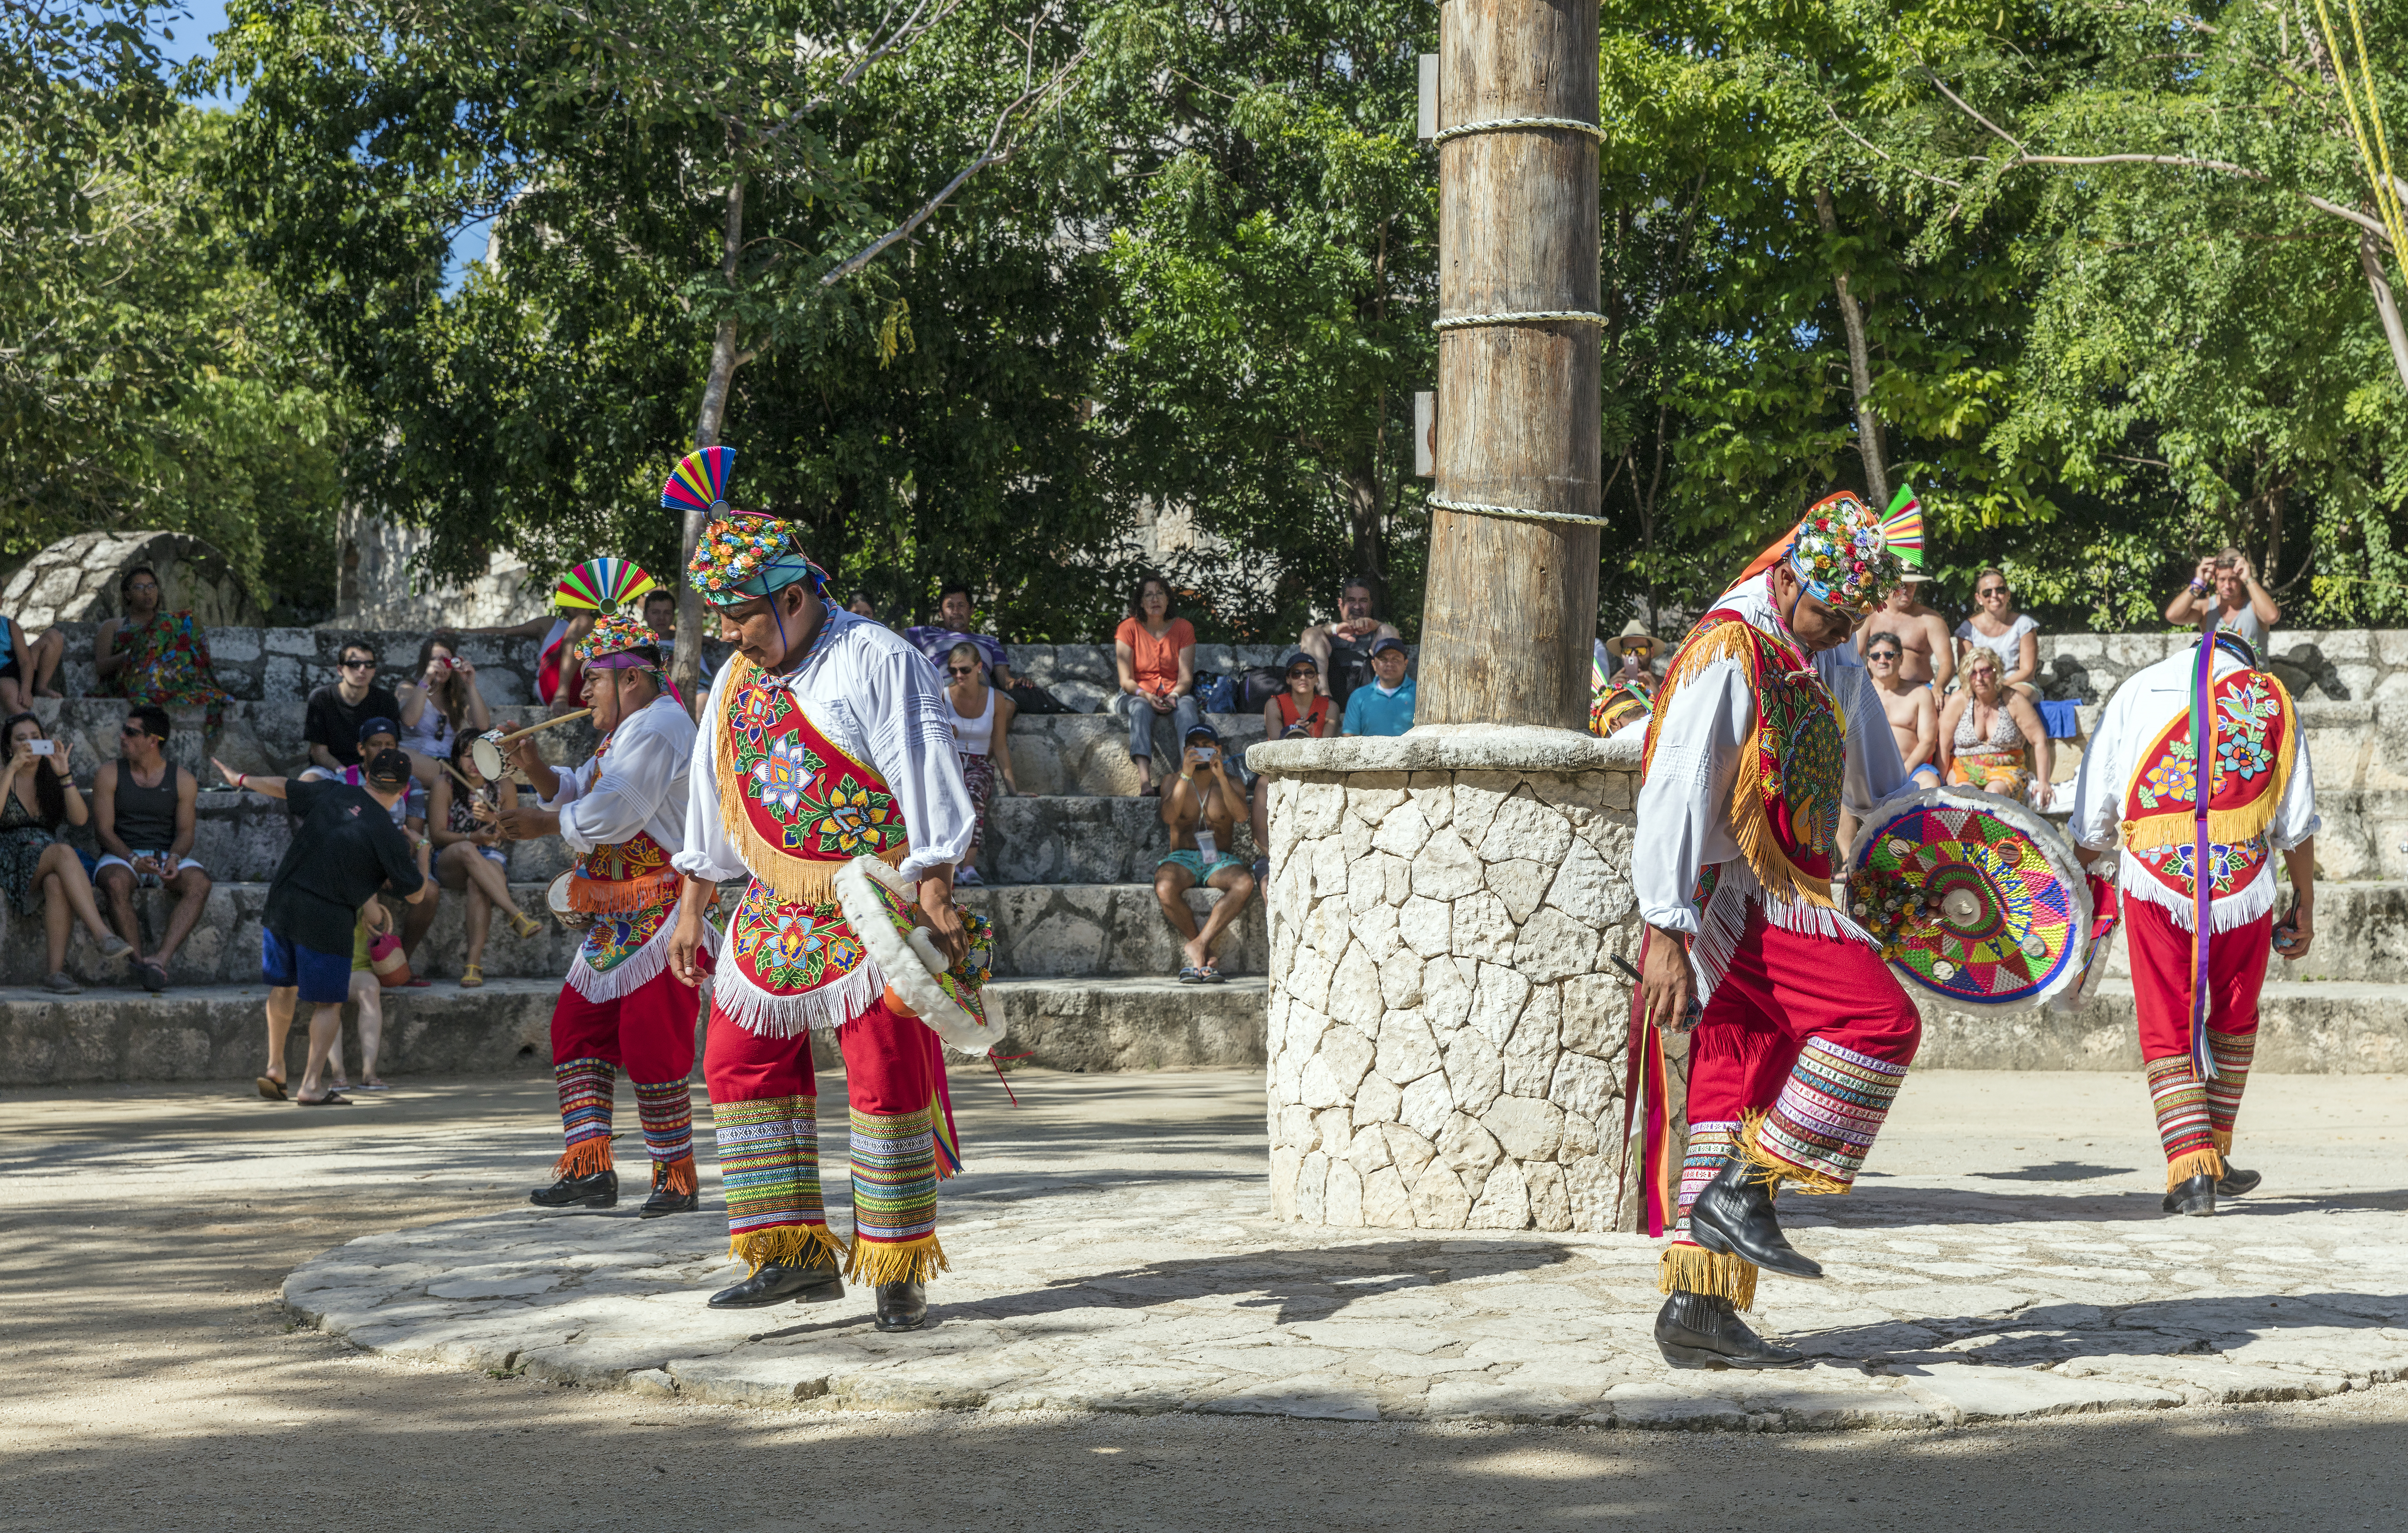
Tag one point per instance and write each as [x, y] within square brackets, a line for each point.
[699, 482]
[602, 585]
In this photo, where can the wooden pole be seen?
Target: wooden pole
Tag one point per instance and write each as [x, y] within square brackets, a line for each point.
[1511, 604]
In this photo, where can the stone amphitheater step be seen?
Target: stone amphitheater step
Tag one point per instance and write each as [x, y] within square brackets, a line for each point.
[1062, 838]
[1053, 930]
[1133, 1024]
[213, 1032]
[2362, 935]
[216, 1033]
[2332, 1027]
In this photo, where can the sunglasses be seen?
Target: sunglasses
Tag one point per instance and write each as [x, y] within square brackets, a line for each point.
[1305, 671]
[1991, 591]
[135, 731]
[1882, 654]
[961, 670]
[359, 664]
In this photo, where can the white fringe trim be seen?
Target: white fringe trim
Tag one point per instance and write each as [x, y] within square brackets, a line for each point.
[912, 963]
[2224, 912]
[636, 971]
[763, 1012]
[1724, 921]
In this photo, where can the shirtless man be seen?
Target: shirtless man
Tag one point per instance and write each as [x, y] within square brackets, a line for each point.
[1927, 657]
[1913, 716]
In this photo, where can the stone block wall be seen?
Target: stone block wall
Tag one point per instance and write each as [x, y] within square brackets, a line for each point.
[1445, 1033]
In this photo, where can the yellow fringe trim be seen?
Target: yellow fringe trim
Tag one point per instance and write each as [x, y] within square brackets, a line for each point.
[896, 1261]
[1751, 824]
[1694, 1269]
[1775, 1170]
[797, 879]
[787, 1245]
[2225, 827]
[678, 1177]
[589, 1157]
[2198, 1163]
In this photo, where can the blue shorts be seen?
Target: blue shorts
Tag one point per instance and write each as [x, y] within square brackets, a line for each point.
[324, 979]
[1194, 862]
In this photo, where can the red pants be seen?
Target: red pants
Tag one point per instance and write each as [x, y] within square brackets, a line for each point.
[2160, 949]
[765, 1111]
[648, 1033]
[1792, 1067]
[2194, 1114]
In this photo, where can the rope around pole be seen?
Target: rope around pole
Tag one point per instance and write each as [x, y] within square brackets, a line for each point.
[1539, 316]
[1496, 125]
[1516, 512]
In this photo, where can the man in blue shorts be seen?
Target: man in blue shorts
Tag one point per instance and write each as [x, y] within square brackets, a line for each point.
[344, 847]
[1201, 810]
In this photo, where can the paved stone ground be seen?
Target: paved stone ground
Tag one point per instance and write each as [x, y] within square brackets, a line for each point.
[1112, 1252]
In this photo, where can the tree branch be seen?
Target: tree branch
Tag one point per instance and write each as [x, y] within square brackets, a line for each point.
[1903, 165]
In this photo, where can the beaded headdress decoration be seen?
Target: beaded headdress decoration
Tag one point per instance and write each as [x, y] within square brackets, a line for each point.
[742, 554]
[1848, 557]
[609, 645]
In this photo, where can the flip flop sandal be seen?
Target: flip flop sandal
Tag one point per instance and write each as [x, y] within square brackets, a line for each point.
[272, 1088]
[374, 1085]
[328, 1100]
[1209, 975]
[1191, 975]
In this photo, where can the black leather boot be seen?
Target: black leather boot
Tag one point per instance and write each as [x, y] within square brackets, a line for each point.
[817, 1284]
[2235, 1182]
[902, 1305]
[666, 1199]
[598, 1190]
[2194, 1197]
[1734, 1216]
[1698, 1330]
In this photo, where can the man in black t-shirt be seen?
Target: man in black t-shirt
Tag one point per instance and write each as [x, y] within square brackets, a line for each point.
[332, 725]
[344, 847]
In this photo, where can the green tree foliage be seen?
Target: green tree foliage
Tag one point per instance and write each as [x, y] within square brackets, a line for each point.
[148, 377]
[697, 219]
[1276, 279]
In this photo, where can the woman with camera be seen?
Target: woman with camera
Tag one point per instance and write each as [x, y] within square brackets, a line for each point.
[40, 798]
[438, 706]
[2243, 604]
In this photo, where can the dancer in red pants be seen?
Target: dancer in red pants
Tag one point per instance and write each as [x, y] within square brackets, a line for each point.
[2138, 786]
[622, 1007]
[825, 737]
[1803, 1036]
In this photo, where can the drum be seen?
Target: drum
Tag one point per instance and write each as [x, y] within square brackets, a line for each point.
[556, 896]
[947, 998]
[486, 752]
[1973, 897]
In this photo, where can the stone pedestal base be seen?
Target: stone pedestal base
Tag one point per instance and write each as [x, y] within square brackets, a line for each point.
[1446, 1032]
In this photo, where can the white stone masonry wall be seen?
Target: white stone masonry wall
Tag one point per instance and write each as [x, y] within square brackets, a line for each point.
[1445, 1031]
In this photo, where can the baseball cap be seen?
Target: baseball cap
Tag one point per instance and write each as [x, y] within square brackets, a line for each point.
[1301, 658]
[1386, 642]
[391, 768]
[379, 726]
[1204, 731]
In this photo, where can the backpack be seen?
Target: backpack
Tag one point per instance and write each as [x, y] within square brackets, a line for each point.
[1216, 693]
[1261, 684]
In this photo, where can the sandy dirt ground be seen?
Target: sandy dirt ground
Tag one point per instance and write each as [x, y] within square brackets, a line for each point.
[149, 1376]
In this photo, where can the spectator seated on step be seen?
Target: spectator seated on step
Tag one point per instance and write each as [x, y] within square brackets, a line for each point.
[439, 708]
[331, 725]
[982, 738]
[1926, 656]
[1155, 653]
[41, 874]
[27, 671]
[142, 810]
[1999, 629]
[160, 659]
[860, 605]
[1386, 706]
[952, 625]
[464, 813]
[2243, 607]
[1302, 712]
[1201, 807]
[1342, 649]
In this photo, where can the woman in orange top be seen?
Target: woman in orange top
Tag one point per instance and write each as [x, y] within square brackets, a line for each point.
[1157, 654]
